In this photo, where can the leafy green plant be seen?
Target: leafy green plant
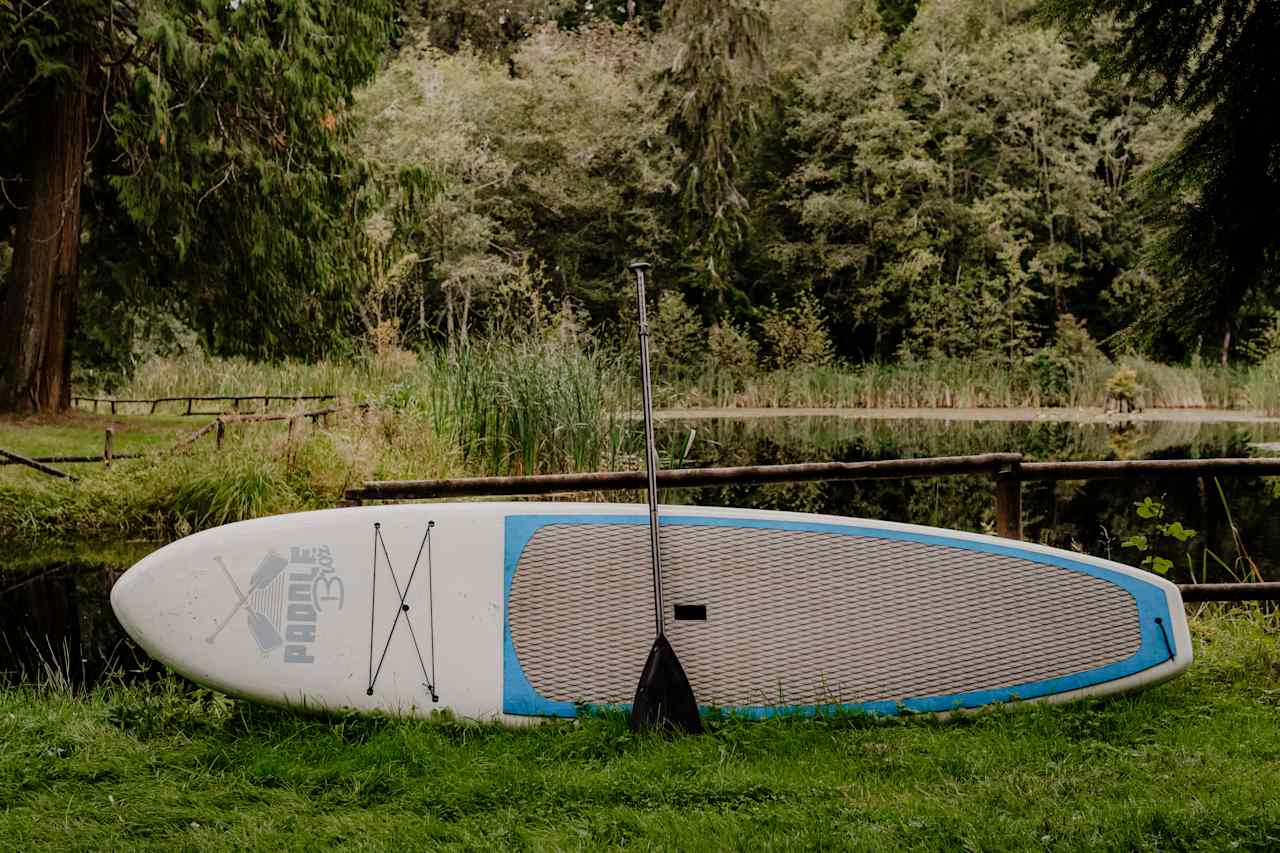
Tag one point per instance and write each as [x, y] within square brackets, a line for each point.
[169, 705]
[796, 336]
[1163, 533]
[1153, 511]
[679, 340]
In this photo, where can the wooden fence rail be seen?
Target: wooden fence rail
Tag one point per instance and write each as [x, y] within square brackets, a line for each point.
[549, 484]
[190, 400]
[1007, 470]
[1196, 592]
[218, 427]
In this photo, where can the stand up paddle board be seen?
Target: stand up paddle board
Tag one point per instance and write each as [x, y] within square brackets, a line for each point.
[520, 610]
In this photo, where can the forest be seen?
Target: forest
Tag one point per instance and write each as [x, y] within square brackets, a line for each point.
[1024, 186]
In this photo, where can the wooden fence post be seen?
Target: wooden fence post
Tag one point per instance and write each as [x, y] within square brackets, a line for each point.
[188, 405]
[107, 446]
[1009, 502]
[222, 429]
[39, 466]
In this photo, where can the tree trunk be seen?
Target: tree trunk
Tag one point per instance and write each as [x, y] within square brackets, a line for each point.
[37, 313]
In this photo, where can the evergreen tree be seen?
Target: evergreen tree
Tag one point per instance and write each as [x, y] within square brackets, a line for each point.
[204, 140]
[1217, 61]
[712, 85]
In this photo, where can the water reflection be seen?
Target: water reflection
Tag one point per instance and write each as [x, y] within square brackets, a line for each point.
[1094, 516]
[57, 627]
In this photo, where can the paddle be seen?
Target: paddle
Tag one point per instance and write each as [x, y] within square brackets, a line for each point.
[664, 698]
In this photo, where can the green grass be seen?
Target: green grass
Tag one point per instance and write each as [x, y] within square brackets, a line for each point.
[82, 433]
[516, 407]
[1190, 765]
[21, 556]
[1262, 390]
[260, 470]
[957, 383]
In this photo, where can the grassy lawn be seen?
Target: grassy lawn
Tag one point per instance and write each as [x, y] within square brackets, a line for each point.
[18, 556]
[81, 433]
[1189, 765]
[263, 468]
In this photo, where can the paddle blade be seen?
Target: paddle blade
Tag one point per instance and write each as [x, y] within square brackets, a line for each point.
[268, 570]
[664, 699]
[264, 633]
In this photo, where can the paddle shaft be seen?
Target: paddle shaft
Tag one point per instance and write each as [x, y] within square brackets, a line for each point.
[650, 450]
[243, 602]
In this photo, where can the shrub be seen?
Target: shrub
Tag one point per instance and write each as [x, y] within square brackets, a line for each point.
[1068, 372]
[731, 353]
[796, 336]
[677, 338]
[1123, 388]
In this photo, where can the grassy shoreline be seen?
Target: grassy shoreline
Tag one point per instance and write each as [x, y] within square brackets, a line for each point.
[433, 377]
[520, 407]
[1191, 765]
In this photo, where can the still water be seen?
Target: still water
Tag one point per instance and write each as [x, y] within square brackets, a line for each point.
[1095, 516]
[56, 620]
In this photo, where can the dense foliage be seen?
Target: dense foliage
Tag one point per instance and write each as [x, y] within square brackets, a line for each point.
[198, 151]
[950, 187]
[878, 180]
[1217, 61]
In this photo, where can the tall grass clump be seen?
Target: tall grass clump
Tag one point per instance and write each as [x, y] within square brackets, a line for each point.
[938, 383]
[1223, 387]
[1164, 386]
[527, 407]
[200, 374]
[1262, 388]
[262, 469]
[520, 404]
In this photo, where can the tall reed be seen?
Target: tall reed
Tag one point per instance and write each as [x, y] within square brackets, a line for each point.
[529, 407]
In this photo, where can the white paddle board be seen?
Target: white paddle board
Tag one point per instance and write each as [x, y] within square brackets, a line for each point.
[523, 610]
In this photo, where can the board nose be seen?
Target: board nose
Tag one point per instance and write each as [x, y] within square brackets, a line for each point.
[136, 597]
[127, 600]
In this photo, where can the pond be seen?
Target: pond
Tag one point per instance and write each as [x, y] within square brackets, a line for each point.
[56, 621]
[1094, 516]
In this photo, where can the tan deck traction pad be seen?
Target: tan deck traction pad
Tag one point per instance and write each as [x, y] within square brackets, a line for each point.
[801, 618]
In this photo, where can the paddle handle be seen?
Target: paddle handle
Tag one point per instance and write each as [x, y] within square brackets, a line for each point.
[650, 449]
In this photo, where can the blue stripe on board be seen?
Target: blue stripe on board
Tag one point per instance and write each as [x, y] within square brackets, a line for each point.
[520, 697]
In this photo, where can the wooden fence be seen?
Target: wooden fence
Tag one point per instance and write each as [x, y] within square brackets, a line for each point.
[216, 427]
[236, 400]
[1007, 470]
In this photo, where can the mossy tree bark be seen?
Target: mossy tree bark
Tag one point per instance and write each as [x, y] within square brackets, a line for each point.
[39, 301]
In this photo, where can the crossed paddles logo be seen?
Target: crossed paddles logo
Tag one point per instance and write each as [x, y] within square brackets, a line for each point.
[284, 600]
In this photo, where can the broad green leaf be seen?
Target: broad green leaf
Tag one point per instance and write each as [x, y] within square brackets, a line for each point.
[1177, 531]
[1149, 508]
